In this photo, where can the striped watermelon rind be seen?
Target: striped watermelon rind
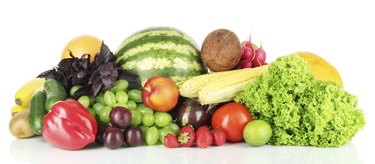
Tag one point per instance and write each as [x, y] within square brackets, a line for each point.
[160, 51]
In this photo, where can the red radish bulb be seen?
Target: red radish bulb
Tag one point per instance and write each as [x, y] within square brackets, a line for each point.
[246, 63]
[260, 57]
[247, 53]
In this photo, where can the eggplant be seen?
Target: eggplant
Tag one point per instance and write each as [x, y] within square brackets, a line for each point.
[193, 113]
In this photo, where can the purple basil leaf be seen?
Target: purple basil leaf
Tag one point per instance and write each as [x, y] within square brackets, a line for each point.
[65, 65]
[104, 56]
[108, 82]
[96, 87]
[95, 78]
[106, 69]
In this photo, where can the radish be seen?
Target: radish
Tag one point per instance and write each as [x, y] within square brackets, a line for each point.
[246, 63]
[260, 57]
[247, 53]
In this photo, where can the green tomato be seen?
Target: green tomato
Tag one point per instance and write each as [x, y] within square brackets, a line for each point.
[162, 119]
[110, 98]
[132, 105]
[121, 97]
[120, 85]
[85, 101]
[98, 107]
[100, 98]
[152, 136]
[74, 89]
[257, 132]
[148, 119]
[136, 117]
[163, 132]
[174, 127]
[104, 114]
[144, 109]
[135, 95]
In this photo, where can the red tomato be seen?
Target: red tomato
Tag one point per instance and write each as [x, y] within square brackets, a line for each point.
[232, 118]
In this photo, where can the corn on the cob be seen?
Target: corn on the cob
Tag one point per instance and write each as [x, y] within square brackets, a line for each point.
[191, 87]
[222, 95]
[221, 86]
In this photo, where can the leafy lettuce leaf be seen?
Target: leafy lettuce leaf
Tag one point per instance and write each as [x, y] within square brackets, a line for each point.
[302, 110]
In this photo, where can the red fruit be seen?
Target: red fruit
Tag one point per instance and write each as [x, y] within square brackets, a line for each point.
[204, 137]
[260, 57]
[171, 141]
[246, 63]
[186, 136]
[219, 137]
[247, 53]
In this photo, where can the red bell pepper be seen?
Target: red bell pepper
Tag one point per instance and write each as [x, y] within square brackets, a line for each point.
[69, 125]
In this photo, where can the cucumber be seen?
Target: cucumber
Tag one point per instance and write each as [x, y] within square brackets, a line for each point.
[55, 91]
[37, 112]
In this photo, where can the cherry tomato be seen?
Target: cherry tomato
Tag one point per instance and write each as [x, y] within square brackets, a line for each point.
[232, 118]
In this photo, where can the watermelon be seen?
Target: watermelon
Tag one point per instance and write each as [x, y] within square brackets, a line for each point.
[161, 51]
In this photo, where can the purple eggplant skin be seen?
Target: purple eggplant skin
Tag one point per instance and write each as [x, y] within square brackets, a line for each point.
[193, 113]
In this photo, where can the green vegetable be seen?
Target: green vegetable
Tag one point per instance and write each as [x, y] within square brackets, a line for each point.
[55, 91]
[37, 112]
[300, 109]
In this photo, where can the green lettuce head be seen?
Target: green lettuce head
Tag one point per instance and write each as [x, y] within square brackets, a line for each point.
[302, 110]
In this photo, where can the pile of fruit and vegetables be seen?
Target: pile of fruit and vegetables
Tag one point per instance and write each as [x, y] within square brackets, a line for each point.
[159, 88]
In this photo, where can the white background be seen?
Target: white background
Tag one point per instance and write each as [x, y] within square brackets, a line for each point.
[33, 34]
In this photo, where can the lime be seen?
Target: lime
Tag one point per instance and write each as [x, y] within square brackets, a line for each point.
[257, 132]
